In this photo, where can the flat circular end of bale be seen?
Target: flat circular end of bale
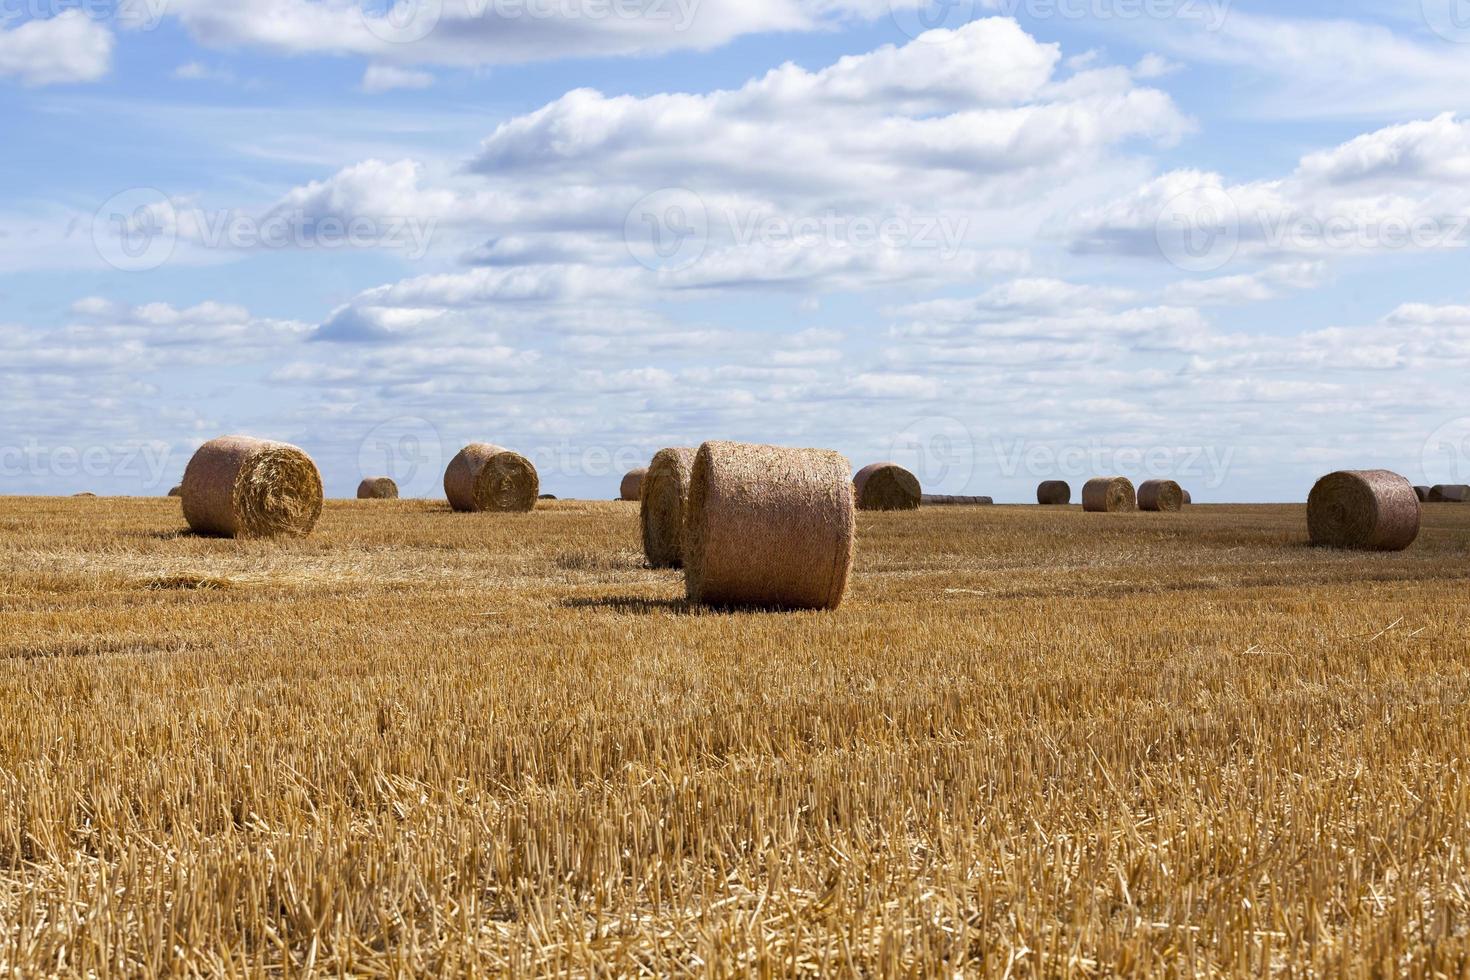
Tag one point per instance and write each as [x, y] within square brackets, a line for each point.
[768, 527]
[1160, 496]
[485, 477]
[887, 486]
[1054, 493]
[1109, 495]
[662, 495]
[236, 486]
[377, 488]
[1368, 510]
[632, 485]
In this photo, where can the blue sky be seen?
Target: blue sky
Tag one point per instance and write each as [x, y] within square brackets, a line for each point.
[998, 241]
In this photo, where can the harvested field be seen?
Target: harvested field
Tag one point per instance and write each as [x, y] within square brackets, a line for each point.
[1030, 739]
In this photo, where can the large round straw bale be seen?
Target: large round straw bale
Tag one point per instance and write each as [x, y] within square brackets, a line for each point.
[236, 486]
[1160, 495]
[377, 488]
[664, 491]
[887, 486]
[768, 526]
[632, 486]
[177, 491]
[1371, 510]
[945, 500]
[1109, 495]
[1450, 494]
[1054, 493]
[489, 478]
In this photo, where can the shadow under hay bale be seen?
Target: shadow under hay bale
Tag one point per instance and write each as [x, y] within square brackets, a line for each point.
[1109, 495]
[1160, 496]
[1450, 493]
[377, 488]
[484, 477]
[236, 486]
[947, 500]
[632, 485]
[1054, 493]
[664, 492]
[887, 486]
[768, 527]
[1369, 510]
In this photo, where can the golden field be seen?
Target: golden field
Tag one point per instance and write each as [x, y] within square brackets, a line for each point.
[1032, 741]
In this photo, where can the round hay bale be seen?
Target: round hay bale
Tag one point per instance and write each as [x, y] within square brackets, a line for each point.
[1160, 495]
[1054, 493]
[1188, 498]
[377, 488]
[664, 492]
[945, 500]
[236, 486]
[547, 496]
[488, 478]
[1109, 495]
[1450, 494]
[632, 486]
[887, 486]
[85, 495]
[768, 526]
[1423, 494]
[1370, 510]
[177, 491]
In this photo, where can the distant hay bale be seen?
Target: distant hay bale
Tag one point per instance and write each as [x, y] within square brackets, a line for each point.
[946, 500]
[661, 514]
[887, 486]
[1160, 495]
[769, 527]
[1109, 495]
[632, 487]
[1423, 494]
[177, 491]
[1371, 510]
[377, 488]
[1054, 493]
[1188, 498]
[488, 478]
[236, 486]
[1450, 493]
[547, 496]
[85, 495]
